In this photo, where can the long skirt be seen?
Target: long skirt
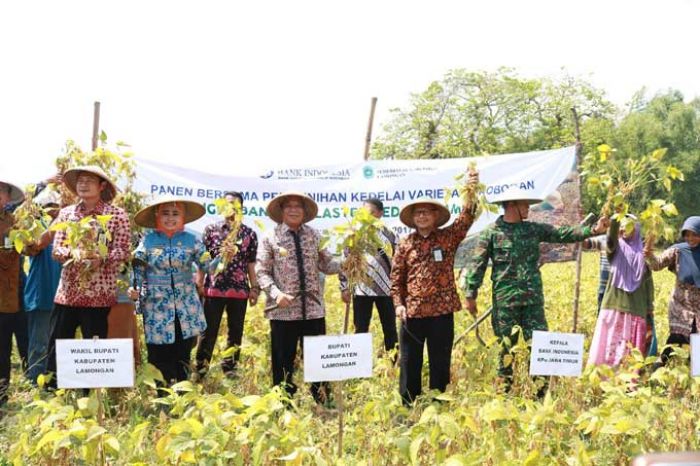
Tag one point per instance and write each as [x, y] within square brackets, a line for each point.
[615, 334]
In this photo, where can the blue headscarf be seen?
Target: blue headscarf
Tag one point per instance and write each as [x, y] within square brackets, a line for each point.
[689, 258]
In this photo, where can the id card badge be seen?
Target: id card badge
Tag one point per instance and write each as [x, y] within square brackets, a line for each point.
[437, 254]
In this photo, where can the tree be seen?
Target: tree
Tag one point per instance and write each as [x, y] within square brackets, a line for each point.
[475, 113]
[664, 121]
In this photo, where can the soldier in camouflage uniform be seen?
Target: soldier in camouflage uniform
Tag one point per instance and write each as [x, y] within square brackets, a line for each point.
[513, 245]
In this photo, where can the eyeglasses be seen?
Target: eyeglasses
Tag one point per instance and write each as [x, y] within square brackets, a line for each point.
[292, 206]
[420, 212]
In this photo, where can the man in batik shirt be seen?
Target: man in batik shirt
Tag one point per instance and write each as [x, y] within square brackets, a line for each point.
[424, 292]
[230, 290]
[290, 261]
[377, 291]
[79, 304]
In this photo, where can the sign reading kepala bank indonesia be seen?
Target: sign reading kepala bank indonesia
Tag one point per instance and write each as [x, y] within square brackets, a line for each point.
[98, 363]
[556, 354]
[531, 175]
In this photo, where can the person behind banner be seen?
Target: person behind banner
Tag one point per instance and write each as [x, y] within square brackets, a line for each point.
[77, 305]
[423, 290]
[512, 244]
[230, 290]
[628, 300]
[12, 317]
[683, 259]
[378, 290]
[40, 288]
[164, 285]
[288, 267]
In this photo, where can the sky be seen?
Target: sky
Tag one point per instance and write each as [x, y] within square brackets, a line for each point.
[239, 87]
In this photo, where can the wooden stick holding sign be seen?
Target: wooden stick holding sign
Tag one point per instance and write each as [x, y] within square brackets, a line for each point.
[100, 411]
[341, 405]
[359, 237]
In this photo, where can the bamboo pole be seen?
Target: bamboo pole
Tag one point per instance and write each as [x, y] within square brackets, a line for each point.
[96, 125]
[368, 138]
[341, 405]
[579, 255]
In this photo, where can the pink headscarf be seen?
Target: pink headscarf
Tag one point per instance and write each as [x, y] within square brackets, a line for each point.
[627, 266]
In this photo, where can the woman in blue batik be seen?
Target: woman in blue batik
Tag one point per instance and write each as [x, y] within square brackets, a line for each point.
[172, 313]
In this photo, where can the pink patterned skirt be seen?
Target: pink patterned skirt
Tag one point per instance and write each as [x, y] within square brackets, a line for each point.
[615, 333]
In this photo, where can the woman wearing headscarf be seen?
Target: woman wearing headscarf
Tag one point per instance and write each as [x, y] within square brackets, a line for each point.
[163, 283]
[628, 300]
[683, 259]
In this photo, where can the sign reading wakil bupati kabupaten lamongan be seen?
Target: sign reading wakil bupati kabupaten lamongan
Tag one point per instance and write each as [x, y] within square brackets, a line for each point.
[556, 354]
[337, 357]
[98, 363]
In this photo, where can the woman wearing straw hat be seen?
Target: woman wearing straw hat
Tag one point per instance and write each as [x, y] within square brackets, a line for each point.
[75, 304]
[289, 262]
[172, 312]
[12, 320]
[424, 292]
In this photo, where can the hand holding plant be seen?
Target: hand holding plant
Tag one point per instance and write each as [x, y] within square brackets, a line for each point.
[87, 242]
[233, 212]
[471, 192]
[31, 221]
[620, 180]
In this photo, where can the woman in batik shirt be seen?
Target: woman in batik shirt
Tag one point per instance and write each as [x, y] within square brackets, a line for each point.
[172, 312]
[683, 259]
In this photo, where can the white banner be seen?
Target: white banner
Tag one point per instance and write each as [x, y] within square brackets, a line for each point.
[97, 363]
[556, 354]
[337, 357]
[533, 175]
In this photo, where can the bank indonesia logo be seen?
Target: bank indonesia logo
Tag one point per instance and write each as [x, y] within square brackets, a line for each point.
[368, 172]
[267, 175]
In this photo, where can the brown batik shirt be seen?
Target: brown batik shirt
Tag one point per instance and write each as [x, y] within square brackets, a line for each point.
[424, 285]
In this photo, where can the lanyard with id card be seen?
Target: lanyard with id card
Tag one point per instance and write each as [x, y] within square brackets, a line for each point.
[437, 254]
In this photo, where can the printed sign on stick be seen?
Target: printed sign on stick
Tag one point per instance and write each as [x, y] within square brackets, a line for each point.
[337, 357]
[99, 363]
[556, 354]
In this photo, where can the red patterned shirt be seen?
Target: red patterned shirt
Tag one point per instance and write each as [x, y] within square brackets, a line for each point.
[102, 288]
[232, 282]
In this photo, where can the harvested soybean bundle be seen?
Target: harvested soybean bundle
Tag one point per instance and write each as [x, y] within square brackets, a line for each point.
[30, 222]
[86, 240]
[233, 212]
[471, 195]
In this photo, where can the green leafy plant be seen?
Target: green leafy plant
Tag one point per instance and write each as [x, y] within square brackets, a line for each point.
[31, 221]
[620, 180]
[605, 416]
[86, 239]
[116, 161]
[357, 237]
